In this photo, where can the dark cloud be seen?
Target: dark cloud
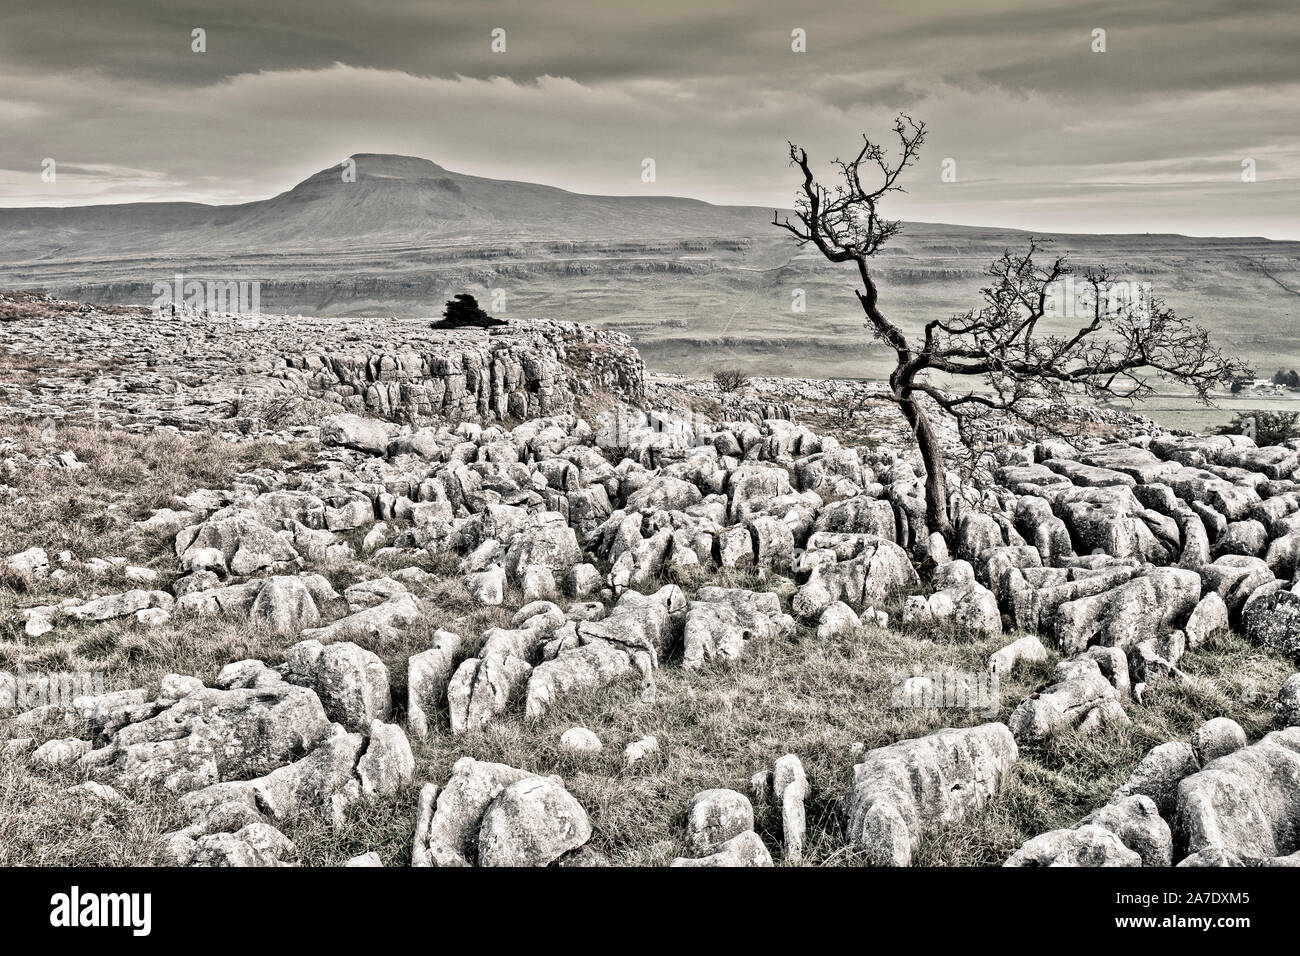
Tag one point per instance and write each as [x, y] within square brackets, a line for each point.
[1011, 88]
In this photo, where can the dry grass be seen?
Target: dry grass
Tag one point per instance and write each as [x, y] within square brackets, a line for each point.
[716, 728]
[91, 512]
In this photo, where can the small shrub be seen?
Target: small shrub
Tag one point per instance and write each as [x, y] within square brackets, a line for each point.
[463, 312]
[1267, 428]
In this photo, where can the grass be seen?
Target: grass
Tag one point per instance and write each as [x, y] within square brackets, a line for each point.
[716, 728]
[91, 512]
[818, 698]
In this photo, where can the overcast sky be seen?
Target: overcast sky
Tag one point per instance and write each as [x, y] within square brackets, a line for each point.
[1148, 136]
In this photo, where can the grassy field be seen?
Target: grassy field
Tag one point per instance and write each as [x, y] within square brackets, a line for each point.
[814, 697]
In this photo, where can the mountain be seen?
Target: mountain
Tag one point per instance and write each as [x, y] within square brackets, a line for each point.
[697, 286]
[394, 200]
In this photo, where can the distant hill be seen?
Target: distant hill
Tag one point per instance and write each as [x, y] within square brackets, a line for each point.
[394, 200]
[695, 285]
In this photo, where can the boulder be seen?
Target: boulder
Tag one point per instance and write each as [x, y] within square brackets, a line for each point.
[427, 676]
[531, 822]
[838, 622]
[1216, 738]
[904, 788]
[351, 682]
[1247, 802]
[580, 740]
[1273, 620]
[1286, 711]
[744, 849]
[1208, 621]
[1158, 775]
[214, 735]
[285, 605]
[720, 620]
[1090, 846]
[353, 431]
[1146, 607]
[1027, 649]
[1077, 689]
[453, 831]
[715, 816]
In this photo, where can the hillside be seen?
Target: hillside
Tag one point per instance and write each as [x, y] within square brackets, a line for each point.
[692, 284]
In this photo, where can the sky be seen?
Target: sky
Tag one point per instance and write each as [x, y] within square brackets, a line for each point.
[1186, 122]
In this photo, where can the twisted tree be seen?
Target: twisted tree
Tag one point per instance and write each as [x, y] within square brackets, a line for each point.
[1026, 369]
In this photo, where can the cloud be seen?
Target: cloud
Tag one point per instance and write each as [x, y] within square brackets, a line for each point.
[1011, 92]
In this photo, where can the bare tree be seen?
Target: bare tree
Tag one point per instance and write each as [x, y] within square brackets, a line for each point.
[1027, 371]
[730, 379]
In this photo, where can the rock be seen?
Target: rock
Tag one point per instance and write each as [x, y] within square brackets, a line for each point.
[373, 592]
[1241, 537]
[1028, 649]
[488, 586]
[968, 606]
[904, 788]
[137, 575]
[1208, 621]
[1146, 607]
[1077, 689]
[1136, 820]
[1247, 802]
[580, 740]
[119, 605]
[214, 735]
[284, 605]
[365, 859]
[257, 844]
[639, 750]
[60, 753]
[867, 570]
[1234, 578]
[1216, 738]
[1113, 664]
[1158, 774]
[482, 686]
[1079, 846]
[353, 431]
[1274, 621]
[626, 643]
[152, 617]
[323, 782]
[838, 622]
[582, 579]
[532, 822]
[27, 567]
[1219, 857]
[351, 682]
[591, 665]
[720, 620]
[790, 790]
[383, 621]
[453, 830]
[172, 687]
[420, 854]
[234, 541]
[715, 816]
[388, 764]
[427, 676]
[1286, 711]
[1283, 557]
[744, 849]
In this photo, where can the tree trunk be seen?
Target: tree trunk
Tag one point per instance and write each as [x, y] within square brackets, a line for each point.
[936, 480]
